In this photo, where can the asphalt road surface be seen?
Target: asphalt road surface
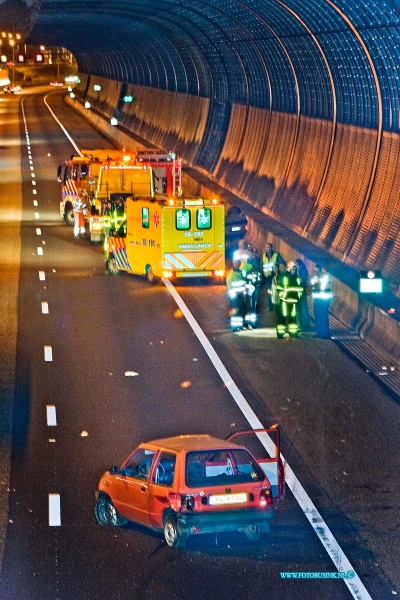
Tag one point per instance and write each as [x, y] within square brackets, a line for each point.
[340, 430]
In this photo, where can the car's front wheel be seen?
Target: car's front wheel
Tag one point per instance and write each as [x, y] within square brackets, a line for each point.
[253, 533]
[173, 537]
[111, 265]
[106, 513]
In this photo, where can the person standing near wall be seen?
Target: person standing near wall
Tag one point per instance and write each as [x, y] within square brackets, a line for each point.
[321, 292]
[236, 285]
[303, 318]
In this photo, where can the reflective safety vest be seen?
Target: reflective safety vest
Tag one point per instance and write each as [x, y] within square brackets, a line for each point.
[236, 283]
[289, 288]
[269, 263]
[79, 205]
[321, 287]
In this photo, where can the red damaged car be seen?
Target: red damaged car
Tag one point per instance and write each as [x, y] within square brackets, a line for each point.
[194, 484]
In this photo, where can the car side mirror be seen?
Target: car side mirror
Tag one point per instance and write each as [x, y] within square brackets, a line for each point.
[114, 471]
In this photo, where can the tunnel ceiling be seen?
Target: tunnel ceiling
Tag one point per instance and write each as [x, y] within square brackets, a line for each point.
[330, 60]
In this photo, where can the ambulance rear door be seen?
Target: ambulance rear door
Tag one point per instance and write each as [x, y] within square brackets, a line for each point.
[193, 239]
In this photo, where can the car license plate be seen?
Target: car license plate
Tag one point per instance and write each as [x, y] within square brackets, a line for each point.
[227, 499]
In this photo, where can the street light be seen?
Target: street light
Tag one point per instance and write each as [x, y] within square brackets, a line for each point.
[12, 44]
[11, 37]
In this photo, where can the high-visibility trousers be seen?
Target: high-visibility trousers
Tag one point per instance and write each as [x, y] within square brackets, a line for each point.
[237, 311]
[79, 223]
[250, 310]
[287, 318]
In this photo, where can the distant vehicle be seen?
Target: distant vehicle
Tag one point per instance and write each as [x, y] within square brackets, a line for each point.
[56, 83]
[96, 175]
[194, 484]
[12, 89]
[235, 224]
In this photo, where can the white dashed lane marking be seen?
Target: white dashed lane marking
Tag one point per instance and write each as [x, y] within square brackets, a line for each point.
[45, 308]
[48, 354]
[51, 415]
[35, 203]
[40, 250]
[54, 510]
[42, 275]
[38, 231]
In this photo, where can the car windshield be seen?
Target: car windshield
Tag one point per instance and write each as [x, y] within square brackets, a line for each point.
[221, 467]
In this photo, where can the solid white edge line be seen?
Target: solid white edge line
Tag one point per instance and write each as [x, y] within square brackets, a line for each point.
[51, 415]
[62, 127]
[54, 510]
[326, 537]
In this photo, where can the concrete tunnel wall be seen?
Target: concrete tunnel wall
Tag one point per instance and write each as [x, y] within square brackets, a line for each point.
[305, 172]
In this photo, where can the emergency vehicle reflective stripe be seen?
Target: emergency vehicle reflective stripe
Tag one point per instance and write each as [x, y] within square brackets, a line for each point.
[210, 260]
[69, 188]
[174, 261]
[193, 260]
[118, 249]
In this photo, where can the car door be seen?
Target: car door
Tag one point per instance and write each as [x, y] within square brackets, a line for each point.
[130, 487]
[161, 485]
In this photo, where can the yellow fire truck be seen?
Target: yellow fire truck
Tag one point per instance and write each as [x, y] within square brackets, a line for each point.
[100, 175]
[172, 238]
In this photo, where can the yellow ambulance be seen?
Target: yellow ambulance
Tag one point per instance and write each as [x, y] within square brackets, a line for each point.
[175, 238]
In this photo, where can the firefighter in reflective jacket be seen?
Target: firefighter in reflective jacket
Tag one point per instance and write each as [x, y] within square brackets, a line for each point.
[289, 291]
[321, 292]
[79, 221]
[236, 284]
[251, 272]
